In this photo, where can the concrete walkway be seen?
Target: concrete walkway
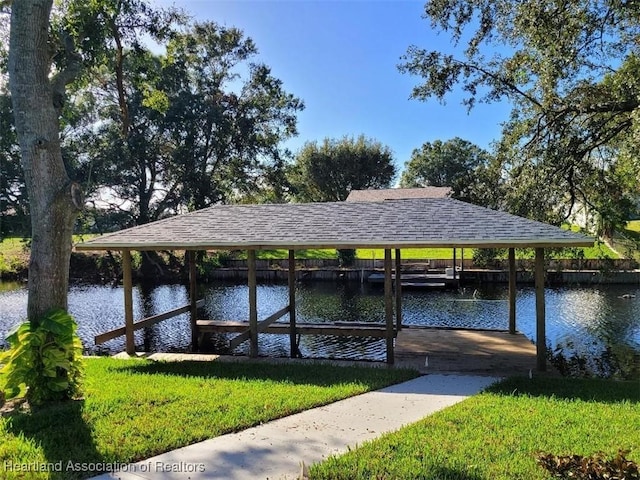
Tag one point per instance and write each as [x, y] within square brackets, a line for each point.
[276, 450]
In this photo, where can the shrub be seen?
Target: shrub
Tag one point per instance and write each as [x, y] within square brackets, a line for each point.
[595, 467]
[46, 357]
[487, 257]
[346, 257]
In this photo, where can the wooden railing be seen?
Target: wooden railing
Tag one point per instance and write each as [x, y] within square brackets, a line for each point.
[146, 322]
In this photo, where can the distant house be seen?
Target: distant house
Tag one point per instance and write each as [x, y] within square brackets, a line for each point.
[398, 194]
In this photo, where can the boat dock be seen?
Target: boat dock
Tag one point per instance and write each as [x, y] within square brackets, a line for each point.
[479, 352]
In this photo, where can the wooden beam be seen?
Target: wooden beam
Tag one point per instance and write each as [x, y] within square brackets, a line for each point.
[253, 303]
[398, 290]
[127, 284]
[351, 329]
[512, 290]
[193, 298]
[541, 340]
[146, 322]
[388, 304]
[262, 327]
[292, 305]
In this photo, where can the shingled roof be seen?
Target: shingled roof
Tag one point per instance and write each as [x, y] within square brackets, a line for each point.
[397, 194]
[428, 222]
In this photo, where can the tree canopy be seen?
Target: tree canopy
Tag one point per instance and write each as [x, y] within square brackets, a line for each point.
[572, 73]
[328, 171]
[454, 163]
[150, 135]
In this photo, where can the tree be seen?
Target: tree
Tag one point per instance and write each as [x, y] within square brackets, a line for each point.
[327, 172]
[54, 199]
[195, 133]
[572, 73]
[455, 163]
[45, 352]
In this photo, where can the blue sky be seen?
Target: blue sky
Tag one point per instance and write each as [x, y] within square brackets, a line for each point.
[341, 58]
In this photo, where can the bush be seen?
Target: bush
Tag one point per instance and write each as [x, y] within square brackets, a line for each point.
[595, 467]
[46, 357]
[487, 257]
[346, 257]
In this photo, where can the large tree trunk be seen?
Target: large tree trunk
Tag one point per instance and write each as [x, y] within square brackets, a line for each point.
[54, 200]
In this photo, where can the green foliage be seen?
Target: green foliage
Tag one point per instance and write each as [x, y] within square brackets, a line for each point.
[327, 172]
[571, 71]
[594, 467]
[346, 257]
[135, 409]
[46, 356]
[200, 124]
[14, 207]
[487, 257]
[456, 163]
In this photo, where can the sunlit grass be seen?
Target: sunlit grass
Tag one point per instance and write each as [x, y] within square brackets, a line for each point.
[134, 409]
[495, 435]
[633, 226]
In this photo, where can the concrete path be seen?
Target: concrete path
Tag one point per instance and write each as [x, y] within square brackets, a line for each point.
[275, 450]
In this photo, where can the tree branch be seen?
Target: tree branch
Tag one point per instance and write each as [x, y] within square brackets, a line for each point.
[64, 77]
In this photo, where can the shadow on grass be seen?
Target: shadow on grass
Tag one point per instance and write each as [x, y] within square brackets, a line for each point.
[449, 473]
[316, 374]
[586, 389]
[64, 437]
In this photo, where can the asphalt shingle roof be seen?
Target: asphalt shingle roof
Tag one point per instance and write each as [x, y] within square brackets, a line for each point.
[437, 222]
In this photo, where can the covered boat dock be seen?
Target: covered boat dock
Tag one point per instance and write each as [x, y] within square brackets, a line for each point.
[390, 225]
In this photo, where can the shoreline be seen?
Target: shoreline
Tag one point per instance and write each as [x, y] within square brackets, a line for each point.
[106, 269]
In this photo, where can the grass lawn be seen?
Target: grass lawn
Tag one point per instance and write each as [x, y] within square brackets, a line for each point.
[634, 226]
[365, 253]
[134, 409]
[496, 434]
[13, 255]
[598, 251]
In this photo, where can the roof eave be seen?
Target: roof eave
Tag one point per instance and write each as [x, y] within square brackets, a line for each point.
[524, 243]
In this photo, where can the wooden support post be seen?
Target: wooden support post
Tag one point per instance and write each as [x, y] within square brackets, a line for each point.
[541, 340]
[127, 284]
[388, 304]
[253, 303]
[193, 298]
[512, 290]
[398, 290]
[454, 263]
[292, 304]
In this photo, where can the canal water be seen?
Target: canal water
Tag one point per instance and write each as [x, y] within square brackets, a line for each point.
[590, 330]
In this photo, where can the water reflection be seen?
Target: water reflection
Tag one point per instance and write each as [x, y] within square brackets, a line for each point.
[592, 323]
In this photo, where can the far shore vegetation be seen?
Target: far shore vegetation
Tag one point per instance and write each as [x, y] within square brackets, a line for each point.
[14, 254]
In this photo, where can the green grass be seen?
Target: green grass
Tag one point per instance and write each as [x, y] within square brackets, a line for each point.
[598, 251]
[634, 226]
[134, 409]
[312, 253]
[496, 434]
[415, 253]
[364, 253]
[13, 255]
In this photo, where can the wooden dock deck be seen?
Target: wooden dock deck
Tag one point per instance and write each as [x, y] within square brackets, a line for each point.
[436, 350]
[429, 350]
